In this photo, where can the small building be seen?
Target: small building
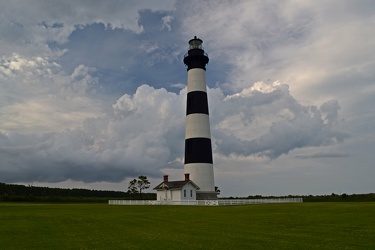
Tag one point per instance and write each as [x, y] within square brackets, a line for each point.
[176, 190]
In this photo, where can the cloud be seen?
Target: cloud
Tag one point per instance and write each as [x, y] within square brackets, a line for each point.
[144, 133]
[178, 85]
[27, 32]
[167, 22]
[323, 155]
[266, 121]
[141, 135]
[36, 95]
[248, 35]
[320, 50]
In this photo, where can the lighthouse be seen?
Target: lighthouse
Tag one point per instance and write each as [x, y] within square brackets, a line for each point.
[198, 150]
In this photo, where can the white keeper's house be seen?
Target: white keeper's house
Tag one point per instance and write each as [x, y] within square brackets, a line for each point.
[176, 190]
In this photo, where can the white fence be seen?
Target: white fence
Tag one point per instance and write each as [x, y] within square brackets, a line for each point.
[206, 202]
[259, 201]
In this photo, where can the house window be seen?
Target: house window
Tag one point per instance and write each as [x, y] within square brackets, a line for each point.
[184, 193]
[191, 193]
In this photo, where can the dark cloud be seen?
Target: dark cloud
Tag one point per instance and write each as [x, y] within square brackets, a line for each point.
[323, 155]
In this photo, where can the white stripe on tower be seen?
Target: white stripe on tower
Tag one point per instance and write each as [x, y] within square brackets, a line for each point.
[198, 150]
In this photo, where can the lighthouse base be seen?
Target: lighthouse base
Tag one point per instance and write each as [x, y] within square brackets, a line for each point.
[202, 195]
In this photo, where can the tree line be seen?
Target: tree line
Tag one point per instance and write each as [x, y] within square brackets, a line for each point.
[16, 192]
[318, 198]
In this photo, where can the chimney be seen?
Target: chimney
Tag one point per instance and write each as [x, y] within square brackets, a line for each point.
[187, 177]
[165, 178]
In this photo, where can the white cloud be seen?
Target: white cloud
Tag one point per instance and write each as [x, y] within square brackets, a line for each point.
[271, 122]
[147, 47]
[309, 45]
[167, 20]
[27, 32]
[38, 96]
[144, 134]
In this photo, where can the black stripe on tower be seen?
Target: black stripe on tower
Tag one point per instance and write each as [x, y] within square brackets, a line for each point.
[197, 103]
[198, 150]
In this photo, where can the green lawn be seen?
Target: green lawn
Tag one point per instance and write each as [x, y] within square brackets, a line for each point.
[268, 226]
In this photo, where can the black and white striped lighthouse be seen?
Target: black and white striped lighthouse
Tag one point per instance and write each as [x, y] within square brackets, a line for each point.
[198, 150]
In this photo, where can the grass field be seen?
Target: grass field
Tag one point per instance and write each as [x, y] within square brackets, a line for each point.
[268, 226]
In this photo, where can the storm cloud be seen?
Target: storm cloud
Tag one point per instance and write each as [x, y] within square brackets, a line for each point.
[144, 133]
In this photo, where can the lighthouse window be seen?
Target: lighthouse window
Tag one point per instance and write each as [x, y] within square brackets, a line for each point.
[184, 193]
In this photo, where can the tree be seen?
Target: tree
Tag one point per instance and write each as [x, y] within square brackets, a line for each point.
[217, 190]
[137, 185]
[132, 189]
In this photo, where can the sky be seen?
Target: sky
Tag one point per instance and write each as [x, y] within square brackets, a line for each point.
[92, 93]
